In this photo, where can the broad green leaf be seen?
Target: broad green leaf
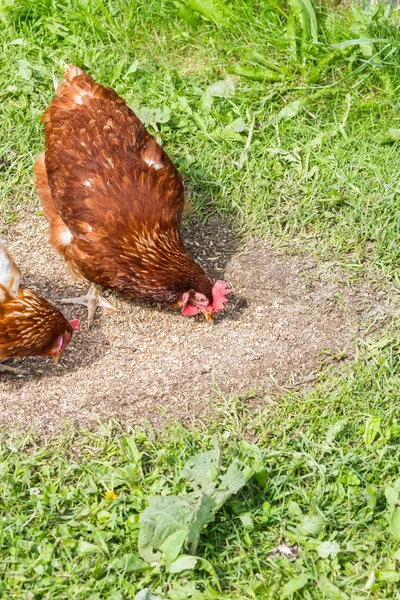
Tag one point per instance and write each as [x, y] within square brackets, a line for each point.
[87, 548]
[304, 11]
[284, 155]
[202, 470]
[326, 549]
[206, 101]
[391, 135]
[199, 121]
[183, 563]
[130, 563]
[133, 67]
[394, 523]
[228, 134]
[373, 496]
[372, 428]
[204, 564]
[188, 514]
[213, 10]
[247, 521]
[103, 516]
[330, 590]
[390, 576]
[311, 525]
[57, 28]
[131, 474]
[117, 70]
[295, 510]
[237, 126]
[231, 482]
[381, 343]
[153, 115]
[24, 69]
[290, 110]
[130, 448]
[172, 546]
[145, 594]
[291, 33]
[205, 509]
[225, 88]
[293, 585]
[163, 517]
[337, 427]
[392, 496]
[258, 74]
[396, 555]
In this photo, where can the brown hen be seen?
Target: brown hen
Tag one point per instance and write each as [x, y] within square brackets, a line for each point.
[29, 325]
[114, 202]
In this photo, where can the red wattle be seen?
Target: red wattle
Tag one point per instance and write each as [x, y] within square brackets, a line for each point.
[74, 324]
[189, 310]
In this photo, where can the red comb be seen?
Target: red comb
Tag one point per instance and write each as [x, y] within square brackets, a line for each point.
[219, 292]
[74, 324]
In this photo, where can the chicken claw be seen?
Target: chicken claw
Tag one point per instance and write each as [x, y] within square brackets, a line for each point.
[92, 301]
[12, 370]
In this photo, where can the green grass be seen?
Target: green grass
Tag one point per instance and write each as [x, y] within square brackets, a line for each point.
[331, 486]
[316, 176]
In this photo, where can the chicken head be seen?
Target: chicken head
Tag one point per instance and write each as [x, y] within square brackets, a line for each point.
[194, 302]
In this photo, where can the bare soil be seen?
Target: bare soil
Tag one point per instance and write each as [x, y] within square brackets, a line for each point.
[286, 317]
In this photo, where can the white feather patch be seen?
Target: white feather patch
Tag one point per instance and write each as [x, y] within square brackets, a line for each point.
[65, 236]
[153, 163]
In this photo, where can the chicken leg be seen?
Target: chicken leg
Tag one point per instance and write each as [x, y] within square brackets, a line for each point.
[12, 370]
[92, 301]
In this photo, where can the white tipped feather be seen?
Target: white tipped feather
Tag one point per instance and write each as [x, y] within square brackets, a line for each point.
[9, 272]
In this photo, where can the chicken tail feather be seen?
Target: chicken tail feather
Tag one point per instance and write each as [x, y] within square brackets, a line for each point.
[10, 274]
[70, 71]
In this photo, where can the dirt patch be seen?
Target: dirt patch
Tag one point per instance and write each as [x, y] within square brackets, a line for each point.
[147, 363]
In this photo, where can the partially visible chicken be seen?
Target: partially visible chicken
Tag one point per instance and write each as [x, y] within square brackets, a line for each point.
[114, 202]
[29, 325]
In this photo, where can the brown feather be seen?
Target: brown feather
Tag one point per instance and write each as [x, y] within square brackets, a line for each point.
[29, 325]
[118, 194]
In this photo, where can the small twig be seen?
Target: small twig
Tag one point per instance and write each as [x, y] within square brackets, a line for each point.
[308, 379]
[133, 348]
[33, 515]
[248, 142]
[296, 384]
[310, 114]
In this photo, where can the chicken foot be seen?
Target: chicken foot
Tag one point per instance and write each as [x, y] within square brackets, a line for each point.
[13, 370]
[92, 301]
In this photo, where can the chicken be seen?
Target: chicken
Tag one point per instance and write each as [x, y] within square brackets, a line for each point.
[29, 325]
[114, 202]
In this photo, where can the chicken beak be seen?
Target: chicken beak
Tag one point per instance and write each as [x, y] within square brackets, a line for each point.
[208, 313]
[56, 357]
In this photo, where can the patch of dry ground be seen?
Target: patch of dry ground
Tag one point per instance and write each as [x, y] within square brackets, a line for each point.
[142, 362]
